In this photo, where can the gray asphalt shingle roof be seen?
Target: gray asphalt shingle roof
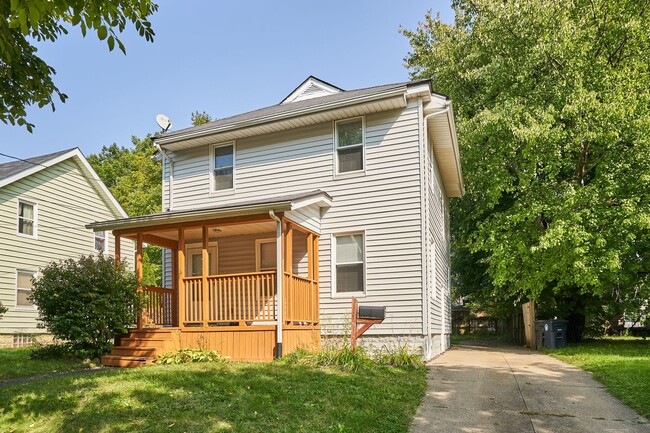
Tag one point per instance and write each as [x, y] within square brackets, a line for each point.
[12, 168]
[288, 107]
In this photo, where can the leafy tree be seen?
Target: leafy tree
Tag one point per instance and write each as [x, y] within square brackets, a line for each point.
[26, 79]
[553, 115]
[3, 310]
[87, 302]
[132, 175]
[200, 118]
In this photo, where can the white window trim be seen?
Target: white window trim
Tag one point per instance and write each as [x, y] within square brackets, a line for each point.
[348, 295]
[213, 190]
[335, 141]
[35, 205]
[258, 254]
[106, 248]
[23, 307]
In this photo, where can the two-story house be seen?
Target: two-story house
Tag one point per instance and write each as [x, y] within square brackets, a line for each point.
[276, 218]
[45, 203]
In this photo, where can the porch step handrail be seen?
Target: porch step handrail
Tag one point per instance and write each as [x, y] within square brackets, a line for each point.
[158, 303]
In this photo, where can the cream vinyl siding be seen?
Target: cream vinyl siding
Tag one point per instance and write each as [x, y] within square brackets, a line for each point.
[383, 201]
[67, 201]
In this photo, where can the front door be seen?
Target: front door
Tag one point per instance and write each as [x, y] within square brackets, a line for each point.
[194, 262]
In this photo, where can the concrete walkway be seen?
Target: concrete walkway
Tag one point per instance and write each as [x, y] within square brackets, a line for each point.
[474, 389]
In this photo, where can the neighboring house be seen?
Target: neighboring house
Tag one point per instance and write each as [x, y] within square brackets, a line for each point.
[349, 188]
[45, 203]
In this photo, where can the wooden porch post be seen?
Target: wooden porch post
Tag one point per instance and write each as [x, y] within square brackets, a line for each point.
[118, 248]
[314, 265]
[204, 273]
[180, 266]
[175, 286]
[138, 269]
[287, 311]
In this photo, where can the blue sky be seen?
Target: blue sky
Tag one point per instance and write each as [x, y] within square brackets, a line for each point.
[222, 57]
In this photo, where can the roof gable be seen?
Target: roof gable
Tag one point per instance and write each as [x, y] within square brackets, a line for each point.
[312, 87]
[11, 172]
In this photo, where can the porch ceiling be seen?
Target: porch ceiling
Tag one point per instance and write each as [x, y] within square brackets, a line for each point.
[193, 234]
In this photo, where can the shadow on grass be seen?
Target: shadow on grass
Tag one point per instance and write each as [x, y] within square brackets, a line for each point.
[208, 397]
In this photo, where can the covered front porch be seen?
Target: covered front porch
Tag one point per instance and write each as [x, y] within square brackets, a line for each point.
[225, 288]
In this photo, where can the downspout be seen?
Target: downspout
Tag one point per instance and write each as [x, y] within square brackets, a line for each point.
[171, 175]
[278, 281]
[425, 234]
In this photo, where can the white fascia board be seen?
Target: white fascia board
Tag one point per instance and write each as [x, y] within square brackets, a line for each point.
[454, 139]
[282, 116]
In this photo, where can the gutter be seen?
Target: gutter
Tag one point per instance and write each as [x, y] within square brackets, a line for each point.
[279, 272]
[171, 174]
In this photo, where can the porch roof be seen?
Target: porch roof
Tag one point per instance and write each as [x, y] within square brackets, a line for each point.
[240, 208]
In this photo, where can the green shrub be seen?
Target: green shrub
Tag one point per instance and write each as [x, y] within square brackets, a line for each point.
[3, 310]
[87, 302]
[186, 356]
[53, 351]
[401, 357]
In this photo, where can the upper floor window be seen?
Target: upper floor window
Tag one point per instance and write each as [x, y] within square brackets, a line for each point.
[27, 218]
[349, 267]
[101, 242]
[24, 289]
[349, 140]
[223, 166]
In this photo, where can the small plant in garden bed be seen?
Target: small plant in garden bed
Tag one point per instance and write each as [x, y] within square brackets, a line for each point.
[185, 356]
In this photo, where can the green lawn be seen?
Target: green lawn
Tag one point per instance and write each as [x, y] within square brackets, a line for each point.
[16, 363]
[231, 397]
[622, 364]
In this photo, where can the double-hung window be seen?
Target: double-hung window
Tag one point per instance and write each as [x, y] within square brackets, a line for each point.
[349, 141]
[27, 218]
[350, 258]
[24, 289]
[101, 242]
[224, 167]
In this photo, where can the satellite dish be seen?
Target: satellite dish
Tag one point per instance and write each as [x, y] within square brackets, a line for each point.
[164, 122]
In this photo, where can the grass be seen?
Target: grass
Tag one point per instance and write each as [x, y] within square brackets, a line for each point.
[213, 397]
[16, 363]
[622, 364]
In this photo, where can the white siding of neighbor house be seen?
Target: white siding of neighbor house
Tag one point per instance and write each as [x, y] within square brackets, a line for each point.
[66, 201]
[383, 202]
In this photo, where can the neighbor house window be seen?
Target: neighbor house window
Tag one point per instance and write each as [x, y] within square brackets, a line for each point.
[265, 255]
[224, 165]
[349, 145]
[27, 218]
[101, 242]
[24, 289]
[349, 269]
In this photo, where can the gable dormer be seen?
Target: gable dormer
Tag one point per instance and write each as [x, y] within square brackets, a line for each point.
[312, 87]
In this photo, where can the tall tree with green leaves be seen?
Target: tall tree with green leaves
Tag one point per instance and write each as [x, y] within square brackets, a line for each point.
[553, 114]
[200, 118]
[134, 177]
[25, 78]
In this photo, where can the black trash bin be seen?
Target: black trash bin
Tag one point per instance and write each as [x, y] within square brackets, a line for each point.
[555, 334]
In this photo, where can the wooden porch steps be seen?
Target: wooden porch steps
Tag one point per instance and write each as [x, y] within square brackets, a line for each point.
[141, 347]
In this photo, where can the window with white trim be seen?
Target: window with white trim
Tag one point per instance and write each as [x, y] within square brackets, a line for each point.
[223, 166]
[265, 255]
[349, 143]
[350, 263]
[101, 242]
[27, 218]
[24, 289]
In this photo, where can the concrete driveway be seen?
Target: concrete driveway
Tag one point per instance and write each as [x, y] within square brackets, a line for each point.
[473, 389]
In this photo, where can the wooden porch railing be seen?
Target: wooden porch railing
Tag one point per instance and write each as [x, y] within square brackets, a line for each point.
[232, 298]
[158, 306]
[300, 300]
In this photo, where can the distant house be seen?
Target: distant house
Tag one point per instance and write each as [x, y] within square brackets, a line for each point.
[45, 203]
[276, 218]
